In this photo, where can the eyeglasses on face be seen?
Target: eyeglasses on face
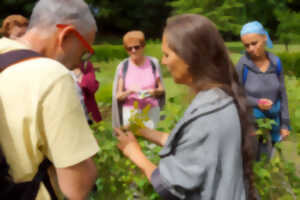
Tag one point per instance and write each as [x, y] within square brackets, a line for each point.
[87, 55]
[136, 47]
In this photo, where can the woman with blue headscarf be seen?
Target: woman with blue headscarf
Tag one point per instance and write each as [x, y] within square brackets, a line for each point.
[262, 75]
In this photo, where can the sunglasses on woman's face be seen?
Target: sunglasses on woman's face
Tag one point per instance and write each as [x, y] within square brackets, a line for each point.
[136, 47]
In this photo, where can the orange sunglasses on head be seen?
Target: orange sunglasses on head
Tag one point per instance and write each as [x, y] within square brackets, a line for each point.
[87, 55]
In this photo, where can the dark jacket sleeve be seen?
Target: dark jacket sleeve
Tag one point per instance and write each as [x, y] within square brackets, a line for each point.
[89, 83]
[285, 119]
[160, 186]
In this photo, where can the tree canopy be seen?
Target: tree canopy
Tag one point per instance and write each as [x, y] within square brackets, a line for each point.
[117, 17]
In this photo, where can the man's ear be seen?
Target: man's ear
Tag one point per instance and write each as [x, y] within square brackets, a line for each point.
[64, 35]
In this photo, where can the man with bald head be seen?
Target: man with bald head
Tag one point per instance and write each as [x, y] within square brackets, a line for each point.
[41, 113]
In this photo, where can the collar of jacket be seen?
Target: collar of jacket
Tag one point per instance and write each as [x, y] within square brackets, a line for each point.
[246, 60]
[204, 103]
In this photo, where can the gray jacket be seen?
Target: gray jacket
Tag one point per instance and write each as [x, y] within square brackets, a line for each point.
[265, 85]
[202, 158]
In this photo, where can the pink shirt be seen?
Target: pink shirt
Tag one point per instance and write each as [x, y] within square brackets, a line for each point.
[140, 78]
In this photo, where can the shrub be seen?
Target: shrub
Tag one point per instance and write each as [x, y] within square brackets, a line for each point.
[291, 62]
[108, 52]
[118, 177]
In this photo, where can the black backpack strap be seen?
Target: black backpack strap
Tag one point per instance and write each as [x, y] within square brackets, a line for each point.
[154, 72]
[124, 72]
[44, 166]
[41, 176]
[12, 57]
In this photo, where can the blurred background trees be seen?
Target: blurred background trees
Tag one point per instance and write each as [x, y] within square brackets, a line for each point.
[116, 17]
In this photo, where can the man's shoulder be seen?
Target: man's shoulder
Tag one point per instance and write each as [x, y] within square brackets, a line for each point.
[39, 68]
[46, 65]
[36, 73]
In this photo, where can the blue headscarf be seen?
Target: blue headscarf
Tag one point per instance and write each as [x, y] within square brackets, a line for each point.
[256, 27]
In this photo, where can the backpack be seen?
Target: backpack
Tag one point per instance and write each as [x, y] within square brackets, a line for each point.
[25, 190]
[278, 70]
[125, 69]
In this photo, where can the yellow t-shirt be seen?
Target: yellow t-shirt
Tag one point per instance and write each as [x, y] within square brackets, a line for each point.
[41, 115]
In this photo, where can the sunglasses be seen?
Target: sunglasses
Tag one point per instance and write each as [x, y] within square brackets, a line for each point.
[136, 47]
[87, 55]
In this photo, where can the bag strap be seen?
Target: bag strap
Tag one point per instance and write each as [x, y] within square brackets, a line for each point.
[245, 73]
[154, 72]
[41, 176]
[124, 72]
[13, 57]
[278, 67]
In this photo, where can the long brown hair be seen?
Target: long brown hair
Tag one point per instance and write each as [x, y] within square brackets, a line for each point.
[197, 41]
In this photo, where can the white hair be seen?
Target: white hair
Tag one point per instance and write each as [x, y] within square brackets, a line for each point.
[47, 14]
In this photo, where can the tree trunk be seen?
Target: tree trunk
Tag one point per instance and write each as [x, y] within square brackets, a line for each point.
[286, 44]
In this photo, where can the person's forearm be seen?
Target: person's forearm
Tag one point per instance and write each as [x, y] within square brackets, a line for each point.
[154, 136]
[76, 181]
[121, 96]
[144, 164]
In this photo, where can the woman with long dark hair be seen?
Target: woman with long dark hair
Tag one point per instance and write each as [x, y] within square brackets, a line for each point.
[207, 155]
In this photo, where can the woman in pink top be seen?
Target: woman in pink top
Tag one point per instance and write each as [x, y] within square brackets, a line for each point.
[138, 78]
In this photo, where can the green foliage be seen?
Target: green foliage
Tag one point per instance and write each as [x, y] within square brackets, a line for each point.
[118, 177]
[9, 7]
[107, 52]
[223, 13]
[276, 178]
[117, 17]
[125, 15]
[171, 114]
[137, 119]
[293, 91]
[230, 15]
[288, 29]
[291, 63]
[265, 125]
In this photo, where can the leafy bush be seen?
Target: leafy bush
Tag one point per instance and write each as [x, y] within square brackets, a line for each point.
[108, 52]
[293, 92]
[291, 62]
[276, 178]
[119, 178]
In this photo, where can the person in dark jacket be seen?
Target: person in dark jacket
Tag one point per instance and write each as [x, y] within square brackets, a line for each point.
[262, 75]
[86, 79]
[207, 155]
